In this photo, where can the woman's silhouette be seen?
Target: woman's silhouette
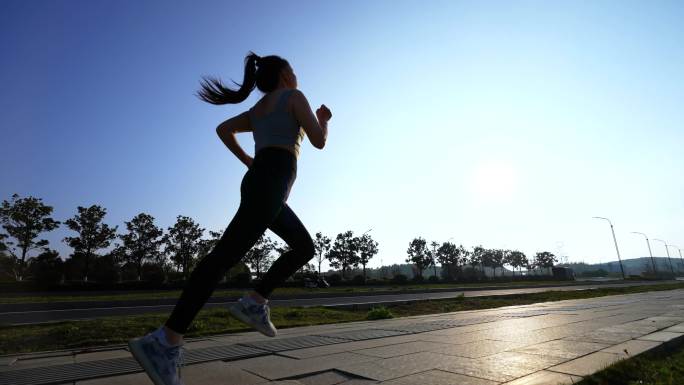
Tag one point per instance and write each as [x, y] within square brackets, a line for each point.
[278, 122]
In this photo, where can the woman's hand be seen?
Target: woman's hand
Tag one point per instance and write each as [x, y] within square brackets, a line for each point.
[323, 114]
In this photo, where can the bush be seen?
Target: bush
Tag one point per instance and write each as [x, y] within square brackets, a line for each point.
[153, 273]
[433, 279]
[380, 312]
[105, 270]
[241, 280]
[46, 268]
[358, 280]
[418, 279]
[334, 279]
[400, 279]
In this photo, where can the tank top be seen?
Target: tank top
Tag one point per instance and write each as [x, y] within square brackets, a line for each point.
[278, 127]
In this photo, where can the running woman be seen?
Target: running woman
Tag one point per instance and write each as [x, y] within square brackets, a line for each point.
[278, 122]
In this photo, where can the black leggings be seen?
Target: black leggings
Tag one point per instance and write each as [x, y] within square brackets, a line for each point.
[264, 191]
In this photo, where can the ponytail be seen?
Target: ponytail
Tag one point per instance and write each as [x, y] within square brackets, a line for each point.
[213, 91]
[265, 78]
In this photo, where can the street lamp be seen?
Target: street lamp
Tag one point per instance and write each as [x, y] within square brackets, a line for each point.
[616, 245]
[680, 254]
[668, 253]
[655, 271]
[367, 231]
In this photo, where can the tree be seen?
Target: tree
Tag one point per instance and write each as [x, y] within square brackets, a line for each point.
[24, 219]
[183, 243]
[419, 255]
[322, 245]
[343, 252]
[93, 235]
[141, 243]
[476, 257]
[367, 249]
[259, 256]
[207, 245]
[451, 258]
[545, 259]
[517, 259]
[499, 258]
[488, 258]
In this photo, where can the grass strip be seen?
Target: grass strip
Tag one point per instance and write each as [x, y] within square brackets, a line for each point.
[10, 299]
[658, 367]
[117, 330]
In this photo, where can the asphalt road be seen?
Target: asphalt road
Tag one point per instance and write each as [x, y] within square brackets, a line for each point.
[18, 314]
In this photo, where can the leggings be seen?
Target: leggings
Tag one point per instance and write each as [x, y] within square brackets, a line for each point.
[263, 193]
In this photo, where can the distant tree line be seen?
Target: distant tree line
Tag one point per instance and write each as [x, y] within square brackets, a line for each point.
[454, 259]
[144, 251]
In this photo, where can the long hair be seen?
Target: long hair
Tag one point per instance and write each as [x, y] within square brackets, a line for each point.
[260, 72]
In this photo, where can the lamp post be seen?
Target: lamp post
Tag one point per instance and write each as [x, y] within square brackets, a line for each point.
[655, 271]
[680, 254]
[616, 245]
[667, 250]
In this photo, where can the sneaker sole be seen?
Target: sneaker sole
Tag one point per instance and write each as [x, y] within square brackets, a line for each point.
[236, 311]
[141, 357]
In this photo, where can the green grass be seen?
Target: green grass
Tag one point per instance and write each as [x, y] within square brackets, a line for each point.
[117, 330]
[21, 298]
[379, 312]
[661, 367]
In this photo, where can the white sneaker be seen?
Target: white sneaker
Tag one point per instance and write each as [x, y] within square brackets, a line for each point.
[254, 314]
[161, 363]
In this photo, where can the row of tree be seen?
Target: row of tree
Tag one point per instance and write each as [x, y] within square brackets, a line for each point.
[453, 258]
[182, 245]
[25, 219]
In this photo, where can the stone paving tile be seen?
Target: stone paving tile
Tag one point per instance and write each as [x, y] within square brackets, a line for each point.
[276, 367]
[348, 346]
[390, 368]
[325, 378]
[602, 337]
[103, 355]
[676, 329]
[128, 379]
[483, 369]
[562, 348]
[218, 372]
[359, 382]
[546, 378]
[438, 377]
[402, 349]
[40, 362]
[661, 336]
[517, 359]
[457, 339]
[535, 337]
[632, 348]
[587, 365]
[478, 349]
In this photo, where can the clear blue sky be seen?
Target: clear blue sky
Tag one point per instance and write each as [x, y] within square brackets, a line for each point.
[506, 124]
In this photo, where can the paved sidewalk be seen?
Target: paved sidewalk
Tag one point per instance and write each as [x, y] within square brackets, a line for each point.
[547, 343]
